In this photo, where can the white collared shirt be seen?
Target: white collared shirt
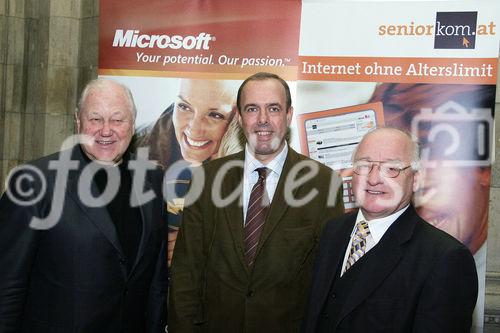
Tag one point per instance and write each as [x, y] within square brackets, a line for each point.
[250, 176]
[378, 228]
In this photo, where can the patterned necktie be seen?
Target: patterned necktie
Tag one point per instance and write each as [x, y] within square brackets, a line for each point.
[358, 246]
[256, 215]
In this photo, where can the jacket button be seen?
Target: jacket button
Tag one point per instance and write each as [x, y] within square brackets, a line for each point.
[334, 296]
[250, 293]
[123, 261]
[325, 315]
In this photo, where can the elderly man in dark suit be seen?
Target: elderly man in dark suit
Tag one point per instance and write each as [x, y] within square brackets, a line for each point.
[244, 265]
[82, 247]
[384, 269]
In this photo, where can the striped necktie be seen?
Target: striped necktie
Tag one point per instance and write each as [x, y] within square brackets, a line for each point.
[258, 206]
[358, 246]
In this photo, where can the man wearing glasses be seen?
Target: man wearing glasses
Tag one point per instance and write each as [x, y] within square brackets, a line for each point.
[383, 268]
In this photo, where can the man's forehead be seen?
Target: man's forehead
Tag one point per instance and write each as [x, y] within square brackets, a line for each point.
[369, 158]
[105, 99]
[386, 136]
[263, 85]
[101, 112]
[380, 148]
[265, 104]
[94, 110]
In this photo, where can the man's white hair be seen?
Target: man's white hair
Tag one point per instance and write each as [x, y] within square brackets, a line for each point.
[101, 83]
[415, 146]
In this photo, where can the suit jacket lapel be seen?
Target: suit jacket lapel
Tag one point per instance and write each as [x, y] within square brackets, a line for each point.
[234, 211]
[146, 210]
[278, 204]
[381, 260]
[99, 216]
[336, 237]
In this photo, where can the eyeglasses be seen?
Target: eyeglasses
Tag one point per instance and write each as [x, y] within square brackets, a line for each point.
[386, 169]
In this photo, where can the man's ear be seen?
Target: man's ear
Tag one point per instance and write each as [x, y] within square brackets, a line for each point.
[237, 114]
[416, 181]
[289, 115]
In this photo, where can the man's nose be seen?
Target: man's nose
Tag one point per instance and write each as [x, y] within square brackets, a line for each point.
[263, 117]
[374, 177]
[106, 129]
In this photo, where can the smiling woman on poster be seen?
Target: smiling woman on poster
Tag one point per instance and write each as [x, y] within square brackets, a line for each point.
[198, 127]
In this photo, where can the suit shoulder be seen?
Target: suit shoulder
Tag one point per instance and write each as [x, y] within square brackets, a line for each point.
[216, 164]
[440, 240]
[47, 158]
[34, 176]
[443, 252]
[41, 163]
[340, 220]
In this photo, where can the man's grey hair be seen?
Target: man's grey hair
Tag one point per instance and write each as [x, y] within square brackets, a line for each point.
[101, 83]
[415, 146]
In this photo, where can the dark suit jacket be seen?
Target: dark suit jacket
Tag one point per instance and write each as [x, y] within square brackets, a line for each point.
[416, 279]
[212, 288]
[73, 276]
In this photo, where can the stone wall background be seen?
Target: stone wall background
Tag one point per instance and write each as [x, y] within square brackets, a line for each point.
[49, 50]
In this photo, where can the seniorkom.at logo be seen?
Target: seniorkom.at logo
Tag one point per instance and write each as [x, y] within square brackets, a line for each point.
[455, 30]
[451, 30]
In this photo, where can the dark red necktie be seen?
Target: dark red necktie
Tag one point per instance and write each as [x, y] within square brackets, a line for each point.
[258, 206]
